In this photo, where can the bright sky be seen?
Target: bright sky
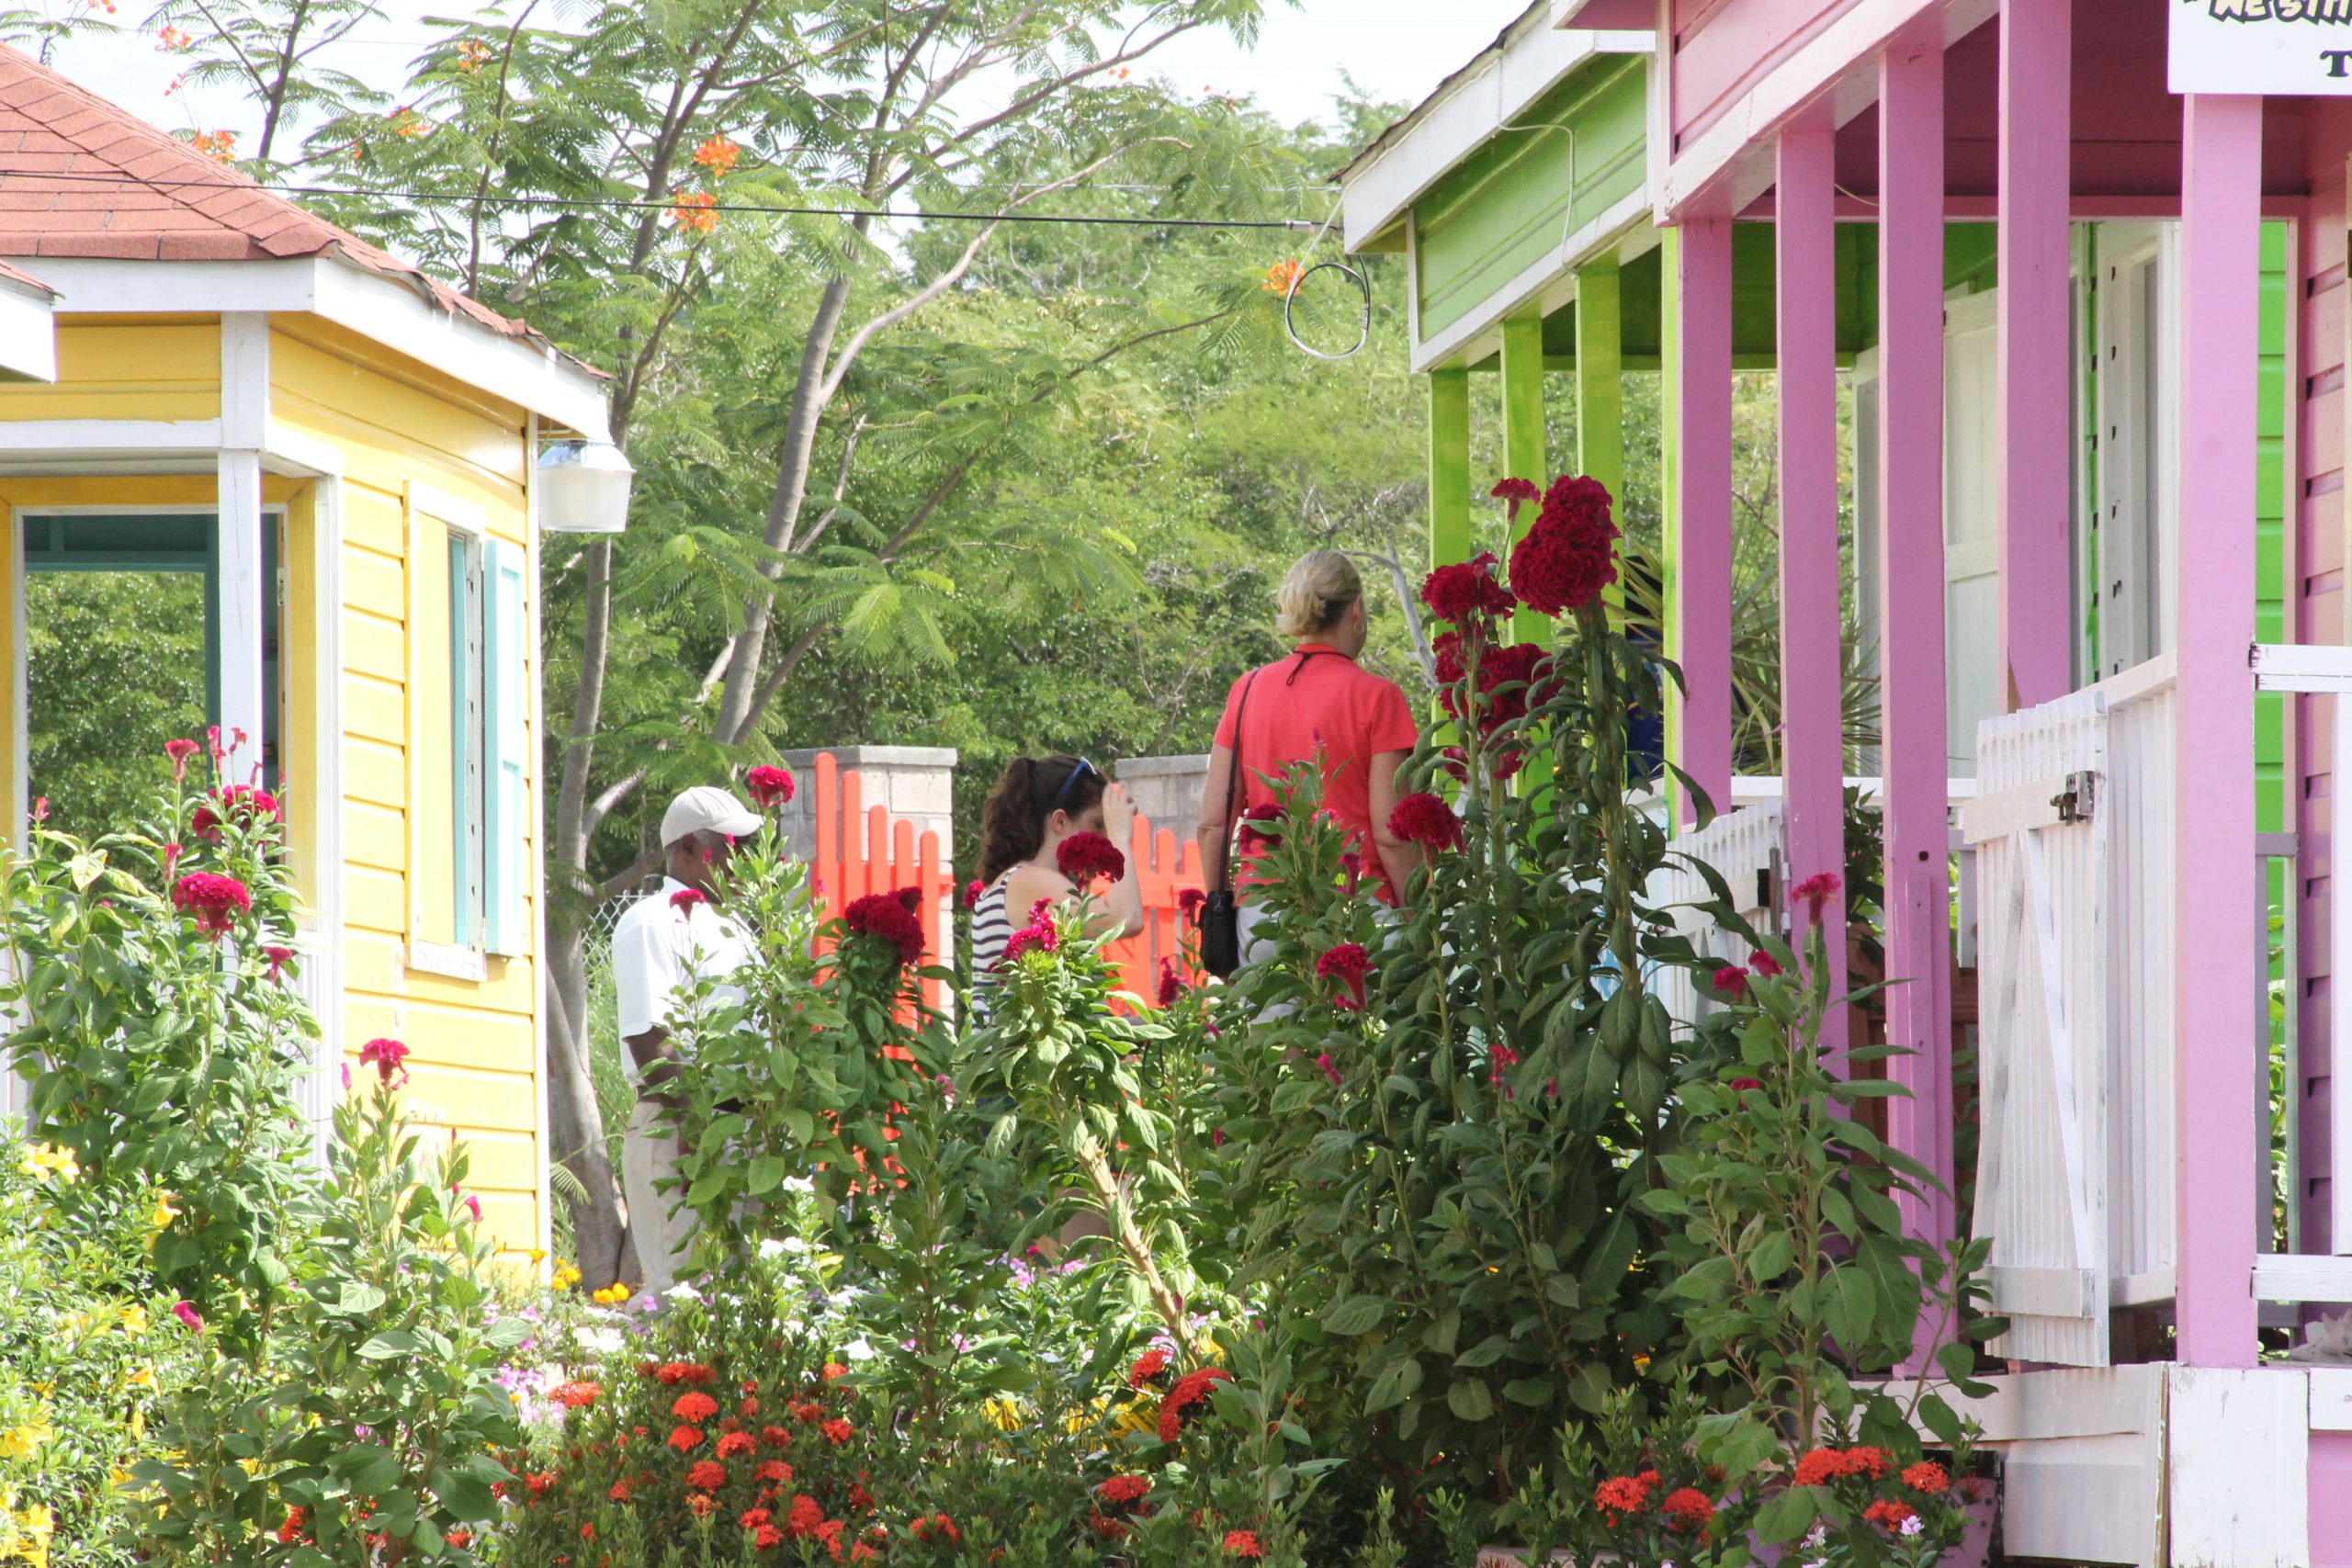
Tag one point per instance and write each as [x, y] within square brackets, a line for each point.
[1398, 50]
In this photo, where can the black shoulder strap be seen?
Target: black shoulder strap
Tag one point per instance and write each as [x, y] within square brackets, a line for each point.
[1232, 786]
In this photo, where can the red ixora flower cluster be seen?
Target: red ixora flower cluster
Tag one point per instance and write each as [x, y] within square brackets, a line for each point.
[1083, 857]
[213, 900]
[1825, 1465]
[770, 788]
[1621, 1496]
[1151, 1367]
[1243, 1544]
[1348, 963]
[575, 1396]
[889, 916]
[1569, 553]
[1187, 1399]
[1426, 820]
[237, 803]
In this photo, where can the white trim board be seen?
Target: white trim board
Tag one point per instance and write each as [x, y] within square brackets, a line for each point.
[381, 308]
[1463, 114]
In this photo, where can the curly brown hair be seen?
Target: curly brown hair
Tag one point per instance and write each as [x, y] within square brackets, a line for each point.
[1012, 824]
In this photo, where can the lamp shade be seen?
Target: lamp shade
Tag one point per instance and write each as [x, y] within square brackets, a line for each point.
[583, 487]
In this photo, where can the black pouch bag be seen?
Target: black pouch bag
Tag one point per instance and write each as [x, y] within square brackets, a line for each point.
[1221, 916]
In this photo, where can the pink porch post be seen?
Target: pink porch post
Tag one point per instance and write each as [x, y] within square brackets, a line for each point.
[2035, 351]
[1812, 736]
[1911, 590]
[2217, 965]
[1701, 548]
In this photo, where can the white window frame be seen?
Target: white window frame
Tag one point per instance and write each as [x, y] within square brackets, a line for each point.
[2136, 402]
[436, 519]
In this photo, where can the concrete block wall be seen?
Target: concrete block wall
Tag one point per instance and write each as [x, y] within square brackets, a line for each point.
[917, 783]
[1167, 789]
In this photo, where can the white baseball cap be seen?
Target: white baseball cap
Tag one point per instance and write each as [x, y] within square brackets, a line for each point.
[706, 808]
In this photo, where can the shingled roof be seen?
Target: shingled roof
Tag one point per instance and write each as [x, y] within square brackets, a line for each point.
[80, 176]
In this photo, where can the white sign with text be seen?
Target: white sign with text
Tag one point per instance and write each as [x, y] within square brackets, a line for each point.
[2280, 47]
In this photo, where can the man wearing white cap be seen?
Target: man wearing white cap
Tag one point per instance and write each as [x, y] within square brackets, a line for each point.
[660, 947]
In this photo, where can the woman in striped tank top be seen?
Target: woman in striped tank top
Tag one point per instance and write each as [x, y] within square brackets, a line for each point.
[1039, 802]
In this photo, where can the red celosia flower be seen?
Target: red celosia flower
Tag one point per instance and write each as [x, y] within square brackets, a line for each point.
[1820, 1467]
[701, 1505]
[1189, 902]
[707, 1475]
[837, 1431]
[1123, 1490]
[237, 803]
[1105, 1528]
[1816, 890]
[619, 1494]
[685, 1440]
[1621, 1495]
[773, 1471]
[1082, 857]
[1925, 1476]
[1242, 1543]
[1500, 1059]
[1253, 834]
[694, 1407]
[215, 901]
[1889, 1515]
[1038, 936]
[1149, 1367]
[1466, 593]
[770, 786]
[1766, 964]
[1732, 981]
[1687, 1509]
[1191, 1392]
[1331, 1068]
[1743, 1084]
[386, 1055]
[733, 1443]
[1426, 820]
[280, 958]
[972, 891]
[685, 899]
[1516, 493]
[576, 1396]
[179, 752]
[887, 918]
[1172, 982]
[1347, 963]
[1568, 554]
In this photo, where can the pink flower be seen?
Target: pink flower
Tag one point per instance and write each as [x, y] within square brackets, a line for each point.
[1744, 1085]
[179, 752]
[471, 1205]
[685, 899]
[1040, 937]
[770, 786]
[1499, 1058]
[234, 804]
[386, 1055]
[213, 900]
[172, 853]
[1426, 820]
[1172, 982]
[972, 891]
[1732, 981]
[1351, 867]
[1348, 963]
[278, 958]
[186, 1311]
[1082, 857]
[1816, 890]
[1766, 964]
[1329, 1071]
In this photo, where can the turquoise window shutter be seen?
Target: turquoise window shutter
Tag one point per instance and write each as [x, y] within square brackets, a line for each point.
[506, 680]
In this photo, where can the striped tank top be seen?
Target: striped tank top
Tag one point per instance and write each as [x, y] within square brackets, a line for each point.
[992, 929]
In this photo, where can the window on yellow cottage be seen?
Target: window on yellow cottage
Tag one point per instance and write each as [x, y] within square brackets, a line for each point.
[468, 738]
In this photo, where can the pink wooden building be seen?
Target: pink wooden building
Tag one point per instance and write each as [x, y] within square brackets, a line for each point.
[2127, 1164]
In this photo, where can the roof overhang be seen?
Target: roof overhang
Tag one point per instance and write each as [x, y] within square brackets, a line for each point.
[27, 327]
[1607, 16]
[566, 395]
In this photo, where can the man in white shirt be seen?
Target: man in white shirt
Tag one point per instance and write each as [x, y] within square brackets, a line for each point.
[664, 942]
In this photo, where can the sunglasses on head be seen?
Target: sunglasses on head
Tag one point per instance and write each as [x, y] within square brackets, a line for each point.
[1076, 773]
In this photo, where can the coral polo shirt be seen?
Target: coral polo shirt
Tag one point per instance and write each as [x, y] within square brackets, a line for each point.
[1316, 702]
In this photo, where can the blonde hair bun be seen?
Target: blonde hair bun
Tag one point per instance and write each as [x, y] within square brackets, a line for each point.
[1317, 592]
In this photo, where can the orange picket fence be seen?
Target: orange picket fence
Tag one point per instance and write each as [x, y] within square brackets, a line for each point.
[1166, 868]
[863, 849]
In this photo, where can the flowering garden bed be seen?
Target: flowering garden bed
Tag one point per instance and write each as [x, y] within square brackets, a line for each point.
[1423, 1233]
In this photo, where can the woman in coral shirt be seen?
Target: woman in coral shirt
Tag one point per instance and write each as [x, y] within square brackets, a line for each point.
[1315, 705]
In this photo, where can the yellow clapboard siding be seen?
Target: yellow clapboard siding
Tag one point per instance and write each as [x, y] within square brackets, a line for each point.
[372, 519]
[501, 1162]
[135, 355]
[374, 900]
[374, 836]
[464, 1099]
[377, 584]
[371, 641]
[374, 707]
[507, 990]
[456, 1036]
[372, 773]
[346, 395]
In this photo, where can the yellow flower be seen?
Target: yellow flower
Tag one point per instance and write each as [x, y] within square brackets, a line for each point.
[23, 1442]
[48, 1159]
[1134, 1416]
[1641, 1363]
[1006, 1413]
[566, 1276]
[161, 1220]
[615, 1292]
[143, 1377]
[135, 1319]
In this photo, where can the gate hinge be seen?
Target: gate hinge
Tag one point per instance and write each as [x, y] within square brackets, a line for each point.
[2075, 801]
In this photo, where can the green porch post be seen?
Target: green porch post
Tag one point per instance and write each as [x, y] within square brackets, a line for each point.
[1523, 454]
[1601, 369]
[1449, 466]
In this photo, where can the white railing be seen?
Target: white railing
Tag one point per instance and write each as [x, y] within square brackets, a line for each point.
[2073, 825]
[1743, 849]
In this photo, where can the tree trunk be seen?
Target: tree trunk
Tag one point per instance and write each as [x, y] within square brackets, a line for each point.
[783, 511]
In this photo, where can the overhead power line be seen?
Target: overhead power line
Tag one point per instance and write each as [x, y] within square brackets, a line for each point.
[623, 204]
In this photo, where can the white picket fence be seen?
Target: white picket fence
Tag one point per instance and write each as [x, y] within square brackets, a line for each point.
[1743, 846]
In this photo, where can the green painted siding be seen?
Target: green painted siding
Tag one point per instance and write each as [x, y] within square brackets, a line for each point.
[1507, 205]
[2270, 536]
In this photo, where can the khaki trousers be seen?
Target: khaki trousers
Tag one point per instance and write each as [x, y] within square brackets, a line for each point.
[660, 1232]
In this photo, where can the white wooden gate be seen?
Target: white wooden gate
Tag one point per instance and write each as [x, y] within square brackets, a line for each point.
[2073, 826]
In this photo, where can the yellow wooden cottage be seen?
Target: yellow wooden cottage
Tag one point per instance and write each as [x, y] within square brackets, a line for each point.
[340, 461]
